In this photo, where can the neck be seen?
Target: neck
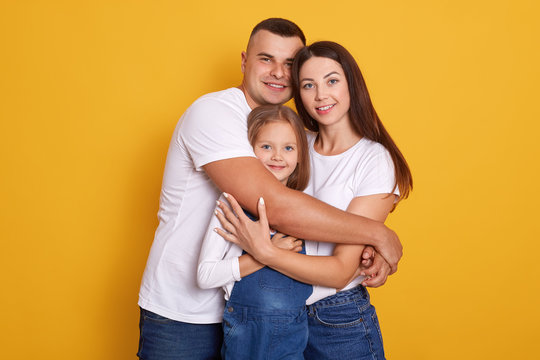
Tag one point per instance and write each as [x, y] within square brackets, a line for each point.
[252, 104]
[336, 139]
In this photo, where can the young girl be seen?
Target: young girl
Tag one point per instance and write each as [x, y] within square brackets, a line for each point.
[264, 315]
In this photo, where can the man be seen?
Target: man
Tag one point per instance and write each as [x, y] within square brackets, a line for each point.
[210, 153]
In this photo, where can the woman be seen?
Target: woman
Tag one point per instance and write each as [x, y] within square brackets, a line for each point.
[357, 167]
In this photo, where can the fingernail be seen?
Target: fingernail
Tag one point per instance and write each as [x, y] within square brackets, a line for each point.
[261, 201]
[215, 230]
[225, 194]
[215, 212]
[218, 203]
[363, 273]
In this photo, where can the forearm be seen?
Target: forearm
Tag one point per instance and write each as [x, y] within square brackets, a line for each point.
[248, 265]
[330, 271]
[289, 211]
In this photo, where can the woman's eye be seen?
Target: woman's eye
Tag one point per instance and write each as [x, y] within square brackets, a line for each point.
[307, 86]
[333, 81]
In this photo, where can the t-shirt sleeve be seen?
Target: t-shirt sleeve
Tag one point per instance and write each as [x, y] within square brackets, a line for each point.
[214, 130]
[375, 174]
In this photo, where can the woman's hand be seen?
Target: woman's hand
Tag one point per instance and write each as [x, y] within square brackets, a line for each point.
[252, 236]
[377, 273]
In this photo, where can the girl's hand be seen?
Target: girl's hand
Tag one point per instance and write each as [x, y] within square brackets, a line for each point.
[252, 236]
[287, 242]
[377, 273]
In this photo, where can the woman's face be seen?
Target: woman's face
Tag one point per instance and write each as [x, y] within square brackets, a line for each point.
[324, 91]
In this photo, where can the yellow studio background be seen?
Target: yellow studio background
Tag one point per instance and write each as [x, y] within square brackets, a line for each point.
[90, 94]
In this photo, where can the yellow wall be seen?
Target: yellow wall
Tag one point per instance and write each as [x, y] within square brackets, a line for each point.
[91, 91]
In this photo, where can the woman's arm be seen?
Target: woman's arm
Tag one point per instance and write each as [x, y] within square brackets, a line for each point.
[332, 271]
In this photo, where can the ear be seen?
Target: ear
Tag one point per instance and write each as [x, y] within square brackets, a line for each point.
[244, 59]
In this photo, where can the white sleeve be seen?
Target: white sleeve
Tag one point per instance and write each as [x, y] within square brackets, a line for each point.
[218, 261]
[213, 130]
[375, 175]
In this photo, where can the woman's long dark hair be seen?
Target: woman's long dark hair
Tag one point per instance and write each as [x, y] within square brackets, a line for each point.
[364, 118]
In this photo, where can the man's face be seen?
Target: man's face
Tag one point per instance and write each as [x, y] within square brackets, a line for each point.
[267, 68]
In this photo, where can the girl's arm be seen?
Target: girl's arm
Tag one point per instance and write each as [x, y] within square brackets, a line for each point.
[331, 271]
[221, 262]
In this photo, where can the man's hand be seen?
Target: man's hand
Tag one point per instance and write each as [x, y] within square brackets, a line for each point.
[389, 247]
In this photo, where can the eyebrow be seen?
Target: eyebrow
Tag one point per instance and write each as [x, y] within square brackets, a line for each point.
[263, 54]
[324, 77]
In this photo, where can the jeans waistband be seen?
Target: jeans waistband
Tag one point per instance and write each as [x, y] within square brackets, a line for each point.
[343, 297]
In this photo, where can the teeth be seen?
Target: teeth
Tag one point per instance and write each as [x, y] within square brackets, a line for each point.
[324, 107]
[276, 85]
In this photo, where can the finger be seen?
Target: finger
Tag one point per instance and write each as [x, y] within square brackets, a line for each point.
[263, 220]
[367, 262]
[282, 236]
[368, 252]
[227, 236]
[229, 215]
[225, 223]
[237, 209]
[377, 279]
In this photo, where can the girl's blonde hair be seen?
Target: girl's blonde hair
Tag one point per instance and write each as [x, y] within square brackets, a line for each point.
[264, 114]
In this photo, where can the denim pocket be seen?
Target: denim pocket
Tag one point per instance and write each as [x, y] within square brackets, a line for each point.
[230, 324]
[339, 316]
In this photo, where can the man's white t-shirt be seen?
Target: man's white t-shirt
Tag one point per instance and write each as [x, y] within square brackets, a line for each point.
[213, 128]
[364, 169]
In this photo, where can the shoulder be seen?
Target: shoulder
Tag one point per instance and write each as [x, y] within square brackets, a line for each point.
[224, 108]
[231, 99]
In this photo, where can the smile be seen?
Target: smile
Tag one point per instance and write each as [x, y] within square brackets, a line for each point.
[277, 86]
[324, 108]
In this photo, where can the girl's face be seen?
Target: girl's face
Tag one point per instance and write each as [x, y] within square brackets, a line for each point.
[324, 91]
[276, 147]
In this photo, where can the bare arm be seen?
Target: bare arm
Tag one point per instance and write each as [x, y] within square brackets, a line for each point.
[332, 271]
[295, 213]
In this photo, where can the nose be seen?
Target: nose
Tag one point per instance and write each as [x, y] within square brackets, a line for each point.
[276, 155]
[320, 93]
[278, 71]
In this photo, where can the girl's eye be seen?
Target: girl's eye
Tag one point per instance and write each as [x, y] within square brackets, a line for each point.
[307, 86]
[266, 147]
[289, 148]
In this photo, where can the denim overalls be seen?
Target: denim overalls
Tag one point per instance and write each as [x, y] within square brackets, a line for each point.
[265, 317]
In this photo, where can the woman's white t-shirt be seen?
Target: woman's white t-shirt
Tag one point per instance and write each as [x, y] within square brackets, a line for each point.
[364, 169]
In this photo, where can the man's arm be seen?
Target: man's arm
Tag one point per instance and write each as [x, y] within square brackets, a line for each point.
[298, 214]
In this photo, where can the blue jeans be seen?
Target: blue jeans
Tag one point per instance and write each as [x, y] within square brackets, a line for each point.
[344, 326]
[165, 339]
[255, 334]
